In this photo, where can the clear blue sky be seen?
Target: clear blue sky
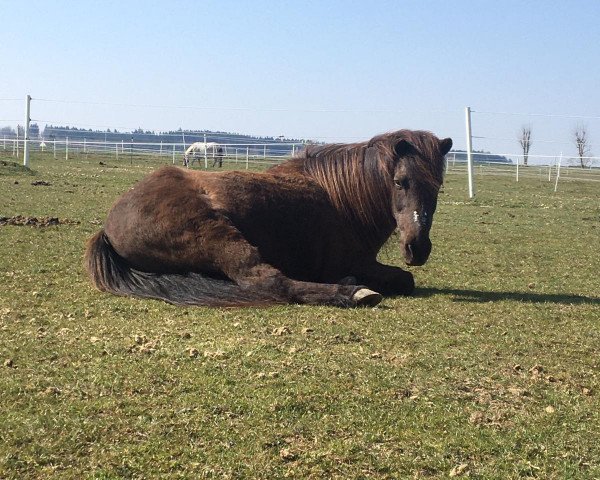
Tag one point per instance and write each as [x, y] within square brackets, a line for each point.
[321, 69]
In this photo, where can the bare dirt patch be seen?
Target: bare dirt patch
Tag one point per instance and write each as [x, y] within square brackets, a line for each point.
[20, 220]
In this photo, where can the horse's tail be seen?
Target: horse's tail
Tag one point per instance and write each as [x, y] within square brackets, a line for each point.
[110, 272]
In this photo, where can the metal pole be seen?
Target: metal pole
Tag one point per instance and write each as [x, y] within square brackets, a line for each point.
[173, 154]
[517, 169]
[17, 142]
[54, 147]
[27, 120]
[205, 158]
[469, 152]
[558, 172]
[67, 148]
[247, 156]
[117, 151]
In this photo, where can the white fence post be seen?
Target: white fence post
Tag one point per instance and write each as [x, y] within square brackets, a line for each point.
[247, 156]
[558, 172]
[67, 148]
[517, 168]
[26, 140]
[173, 154]
[205, 157]
[469, 151]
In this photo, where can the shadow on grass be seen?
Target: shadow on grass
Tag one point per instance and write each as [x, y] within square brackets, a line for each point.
[477, 296]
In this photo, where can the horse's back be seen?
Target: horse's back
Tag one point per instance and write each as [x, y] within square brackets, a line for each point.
[174, 220]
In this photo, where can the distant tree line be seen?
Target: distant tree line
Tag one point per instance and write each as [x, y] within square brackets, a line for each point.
[478, 156]
[52, 132]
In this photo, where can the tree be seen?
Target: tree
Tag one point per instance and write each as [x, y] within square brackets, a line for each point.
[582, 144]
[525, 141]
[34, 130]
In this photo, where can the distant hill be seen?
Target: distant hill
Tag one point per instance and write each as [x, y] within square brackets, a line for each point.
[479, 156]
[178, 137]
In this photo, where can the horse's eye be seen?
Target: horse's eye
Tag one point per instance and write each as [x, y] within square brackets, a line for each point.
[401, 183]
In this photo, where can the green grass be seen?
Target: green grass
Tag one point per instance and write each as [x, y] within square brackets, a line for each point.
[491, 370]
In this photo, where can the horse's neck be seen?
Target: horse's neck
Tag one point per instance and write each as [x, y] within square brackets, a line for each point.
[372, 225]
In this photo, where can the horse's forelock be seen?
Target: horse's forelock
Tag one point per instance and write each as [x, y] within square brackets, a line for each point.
[425, 162]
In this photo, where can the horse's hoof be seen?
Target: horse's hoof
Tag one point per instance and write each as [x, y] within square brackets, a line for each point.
[366, 298]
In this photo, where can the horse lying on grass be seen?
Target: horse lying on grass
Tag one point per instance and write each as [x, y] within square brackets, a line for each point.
[306, 231]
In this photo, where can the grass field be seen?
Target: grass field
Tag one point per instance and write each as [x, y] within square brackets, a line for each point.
[491, 371]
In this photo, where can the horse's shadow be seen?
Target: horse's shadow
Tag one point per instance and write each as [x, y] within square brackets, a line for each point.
[477, 296]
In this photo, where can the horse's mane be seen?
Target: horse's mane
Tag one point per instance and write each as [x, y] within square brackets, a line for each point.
[358, 177]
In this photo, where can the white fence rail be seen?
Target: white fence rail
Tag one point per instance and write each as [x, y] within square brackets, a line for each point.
[256, 153]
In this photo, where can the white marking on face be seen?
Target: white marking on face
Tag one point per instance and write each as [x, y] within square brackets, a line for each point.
[422, 219]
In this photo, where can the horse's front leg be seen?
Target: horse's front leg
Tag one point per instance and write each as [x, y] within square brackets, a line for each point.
[242, 263]
[386, 279]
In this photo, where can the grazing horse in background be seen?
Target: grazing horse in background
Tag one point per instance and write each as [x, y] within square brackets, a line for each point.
[197, 150]
[305, 231]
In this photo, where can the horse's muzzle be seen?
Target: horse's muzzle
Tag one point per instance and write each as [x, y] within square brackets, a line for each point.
[417, 253]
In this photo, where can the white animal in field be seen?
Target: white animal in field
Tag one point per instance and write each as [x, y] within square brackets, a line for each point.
[197, 150]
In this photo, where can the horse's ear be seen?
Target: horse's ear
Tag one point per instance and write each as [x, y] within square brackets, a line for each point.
[445, 145]
[401, 148]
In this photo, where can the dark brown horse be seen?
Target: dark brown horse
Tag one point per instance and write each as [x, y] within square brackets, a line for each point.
[306, 231]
